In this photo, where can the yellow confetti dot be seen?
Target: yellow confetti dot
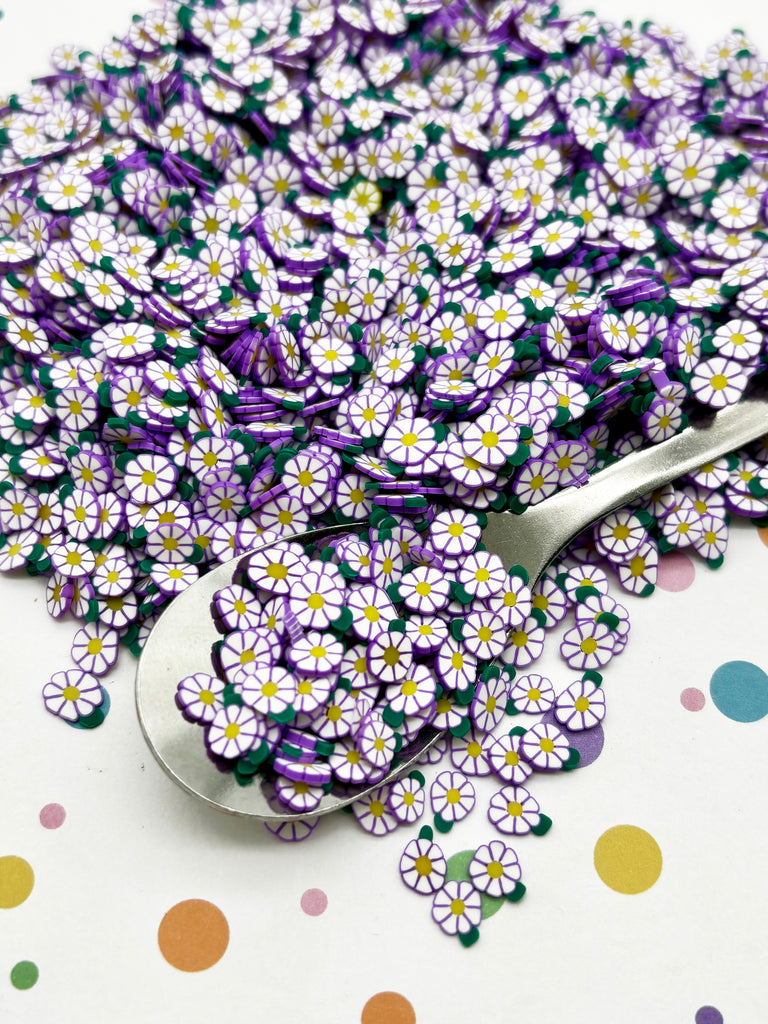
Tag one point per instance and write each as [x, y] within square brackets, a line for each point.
[627, 859]
[16, 881]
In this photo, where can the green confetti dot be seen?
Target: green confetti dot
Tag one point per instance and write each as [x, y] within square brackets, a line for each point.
[24, 974]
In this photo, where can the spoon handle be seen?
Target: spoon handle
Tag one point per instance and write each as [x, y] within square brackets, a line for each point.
[534, 538]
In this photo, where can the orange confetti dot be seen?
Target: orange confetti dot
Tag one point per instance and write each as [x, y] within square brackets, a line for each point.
[762, 533]
[193, 935]
[388, 1008]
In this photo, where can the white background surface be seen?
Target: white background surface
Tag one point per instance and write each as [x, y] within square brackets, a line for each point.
[133, 845]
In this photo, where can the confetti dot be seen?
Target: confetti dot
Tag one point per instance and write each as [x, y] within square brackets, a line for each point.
[388, 1008]
[193, 935]
[627, 859]
[692, 699]
[16, 881]
[52, 816]
[457, 870]
[762, 533]
[708, 1015]
[676, 571]
[588, 742]
[739, 690]
[24, 974]
[314, 902]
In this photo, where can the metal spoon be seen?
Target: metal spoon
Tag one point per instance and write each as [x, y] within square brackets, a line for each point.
[181, 641]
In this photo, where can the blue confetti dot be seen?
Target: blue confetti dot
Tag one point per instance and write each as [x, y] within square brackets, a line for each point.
[739, 690]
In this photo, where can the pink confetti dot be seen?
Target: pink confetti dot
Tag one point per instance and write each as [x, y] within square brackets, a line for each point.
[676, 572]
[692, 699]
[52, 816]
[314, 902]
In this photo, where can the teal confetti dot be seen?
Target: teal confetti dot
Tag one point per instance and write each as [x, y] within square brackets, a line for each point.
[24, 974]
[739, 690]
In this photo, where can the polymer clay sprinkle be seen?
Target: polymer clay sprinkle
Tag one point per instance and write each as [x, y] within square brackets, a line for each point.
[603, 608]
[72, 695]
[268, 689]
[336, 717]
[233, 731]
[58, 596]
[588, 645]
[372, 611]
[495, 870]
[581, 705]
[591, 576]
[550, 600]
[619, 536]
[375, 740]
[171, 578]
[241, 648]
[482, 575]
[506, 761]
[387, 562]
[237, 608]
[513, 603]
[525, 643]
[545, 747]
[316, 653]
[294, 831]
[513, 811]
[347, 763]
[407, 799]
[95, 647]
[454, 532]
[298, 795]
[200, 696]
[413, 695]
[423, 865]
[469, 753]
[455, 666]
[389, 656]
[456, 908]
[484, 634]
[425, 590]
[638, 576]
[452, 796]
[275, 569]
[317, 598]
[426, 632]
[373, 815]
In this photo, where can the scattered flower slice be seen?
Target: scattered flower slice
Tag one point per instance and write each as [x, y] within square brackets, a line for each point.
[494, 870]
[457, 908]
[423, 866]
[72, 695]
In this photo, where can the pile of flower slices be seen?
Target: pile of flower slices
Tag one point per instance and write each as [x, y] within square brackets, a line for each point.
[270, 265]
[330, 666]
